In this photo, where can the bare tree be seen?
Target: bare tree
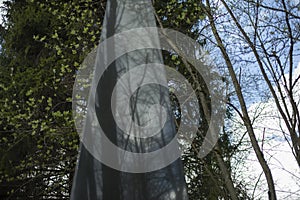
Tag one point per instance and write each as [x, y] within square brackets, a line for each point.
[265, 36]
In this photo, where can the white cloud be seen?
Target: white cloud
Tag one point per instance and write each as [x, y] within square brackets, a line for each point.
[272, 133]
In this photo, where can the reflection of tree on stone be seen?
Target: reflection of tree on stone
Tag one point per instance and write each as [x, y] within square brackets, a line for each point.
[94, 179]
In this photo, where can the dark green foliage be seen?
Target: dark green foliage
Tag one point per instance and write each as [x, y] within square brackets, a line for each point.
[43, 44]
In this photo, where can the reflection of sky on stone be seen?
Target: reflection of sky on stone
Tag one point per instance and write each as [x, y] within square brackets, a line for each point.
[269, 129]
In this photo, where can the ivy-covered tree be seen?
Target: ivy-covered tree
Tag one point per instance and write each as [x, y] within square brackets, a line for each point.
[44, 43]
